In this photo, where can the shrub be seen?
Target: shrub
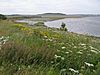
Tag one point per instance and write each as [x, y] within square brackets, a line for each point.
[39, 24]
[3, 17]
[63, 27]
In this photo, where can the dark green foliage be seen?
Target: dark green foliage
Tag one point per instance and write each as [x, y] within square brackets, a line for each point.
[63, 27]
[39, 24]
[3, 17]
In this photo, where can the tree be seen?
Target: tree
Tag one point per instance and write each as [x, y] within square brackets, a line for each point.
[63, 27]
[3, 17]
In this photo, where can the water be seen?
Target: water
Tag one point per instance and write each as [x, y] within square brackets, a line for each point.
[87, 25]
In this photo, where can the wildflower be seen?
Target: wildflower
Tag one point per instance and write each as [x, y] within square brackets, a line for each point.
[66, 52]
[63, 47]
[75, 47]
[88, 64]
[62, 58]
[4, 41]
[79, 52]
[19, 68]
[75, 71]
[92, 48]
[2, 38]
[52, 62]
[82, 44]
[11, 64]
[29, 66]
[45, 36]
[94, 51]
[50, 39]
[56, 56]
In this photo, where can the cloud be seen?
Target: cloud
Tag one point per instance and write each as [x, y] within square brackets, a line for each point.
[43, 6]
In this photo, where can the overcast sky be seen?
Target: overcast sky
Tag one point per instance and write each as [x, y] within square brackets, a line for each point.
[48, 6]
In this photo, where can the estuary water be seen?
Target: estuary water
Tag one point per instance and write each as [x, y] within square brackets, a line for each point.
[86, 25]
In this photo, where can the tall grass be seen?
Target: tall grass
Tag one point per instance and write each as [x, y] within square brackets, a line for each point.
[46, 51]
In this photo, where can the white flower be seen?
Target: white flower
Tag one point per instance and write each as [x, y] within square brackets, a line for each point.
[45, 36]
[66, 52]
[52, 62]
[62, 58]
[19, 68]
[88, 64]
[82, 44]
[75, 71]
[79, 52]
[75, 47]
[50, 39]
[56, 56]
[4, 41]
[2, 38]
[63, 47]
[29, 66]
[94, 51]
[92, 48]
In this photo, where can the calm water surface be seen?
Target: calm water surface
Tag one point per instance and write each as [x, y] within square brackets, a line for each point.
[87, 25]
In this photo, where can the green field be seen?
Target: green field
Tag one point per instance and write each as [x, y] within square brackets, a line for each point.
[39, 50]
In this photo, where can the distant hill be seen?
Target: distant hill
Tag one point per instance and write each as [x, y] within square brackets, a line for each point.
[52, 15]
[23, 16]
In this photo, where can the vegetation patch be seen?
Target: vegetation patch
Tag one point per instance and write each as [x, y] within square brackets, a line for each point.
[40, 50]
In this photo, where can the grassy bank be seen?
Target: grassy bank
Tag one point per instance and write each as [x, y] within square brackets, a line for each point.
[39, 50]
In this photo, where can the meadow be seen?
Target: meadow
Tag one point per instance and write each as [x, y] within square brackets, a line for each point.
[40, 50]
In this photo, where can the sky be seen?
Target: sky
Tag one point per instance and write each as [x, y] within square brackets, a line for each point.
[49, 6]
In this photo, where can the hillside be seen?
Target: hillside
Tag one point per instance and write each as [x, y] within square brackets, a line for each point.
[52, 15]
[39, 50]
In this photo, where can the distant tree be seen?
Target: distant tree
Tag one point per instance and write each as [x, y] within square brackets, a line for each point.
[63, 27]
[3, 17]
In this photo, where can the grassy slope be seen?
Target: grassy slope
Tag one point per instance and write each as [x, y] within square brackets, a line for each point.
[39, 50]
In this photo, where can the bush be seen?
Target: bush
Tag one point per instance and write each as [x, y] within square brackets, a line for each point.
[63, 27]
[39, 24]
[3, 17]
